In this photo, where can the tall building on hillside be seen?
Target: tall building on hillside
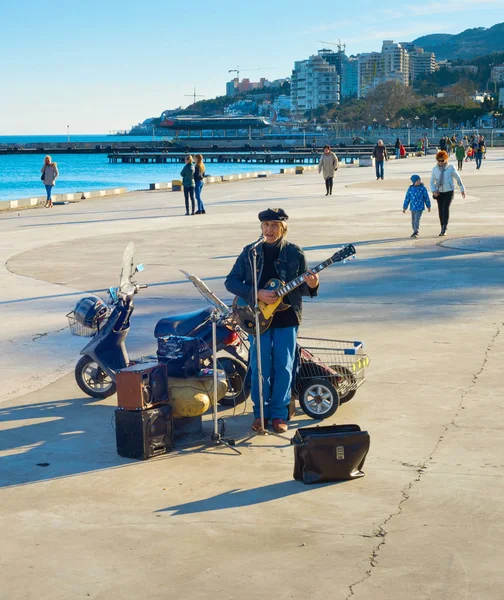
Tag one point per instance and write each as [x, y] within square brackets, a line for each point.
[396, 63]
[369, 72]
[314, 82]
[349, 83]
[421, 62]
[497, 74]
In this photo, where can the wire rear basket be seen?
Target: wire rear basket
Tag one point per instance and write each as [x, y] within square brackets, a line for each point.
[342, 363]
[81, 330]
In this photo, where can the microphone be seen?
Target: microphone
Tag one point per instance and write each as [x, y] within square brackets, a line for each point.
[255, 244]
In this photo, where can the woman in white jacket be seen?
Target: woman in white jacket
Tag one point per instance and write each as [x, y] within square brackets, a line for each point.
[442, 187]
[328, 165]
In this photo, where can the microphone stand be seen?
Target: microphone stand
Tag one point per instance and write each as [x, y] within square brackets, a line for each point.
[216, 436]
[257, 312]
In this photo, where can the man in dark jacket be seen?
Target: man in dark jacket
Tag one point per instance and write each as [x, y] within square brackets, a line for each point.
[380, 155]
[276, 258]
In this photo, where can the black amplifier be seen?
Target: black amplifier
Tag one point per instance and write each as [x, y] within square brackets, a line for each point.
[144, 433]
[180, 355]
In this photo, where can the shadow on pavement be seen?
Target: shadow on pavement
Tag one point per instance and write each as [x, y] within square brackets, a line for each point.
[238, 498]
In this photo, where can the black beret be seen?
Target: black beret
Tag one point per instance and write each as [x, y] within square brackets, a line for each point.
[273, 214]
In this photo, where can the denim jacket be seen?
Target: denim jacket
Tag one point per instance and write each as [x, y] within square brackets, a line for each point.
[291, 262]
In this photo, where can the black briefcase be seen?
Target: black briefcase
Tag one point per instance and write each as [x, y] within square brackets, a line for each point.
[329, 453]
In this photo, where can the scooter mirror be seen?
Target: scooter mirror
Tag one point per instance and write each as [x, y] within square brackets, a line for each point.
[139, 268]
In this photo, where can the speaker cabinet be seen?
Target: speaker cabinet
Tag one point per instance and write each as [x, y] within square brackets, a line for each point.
[143, 434]
[142, 386]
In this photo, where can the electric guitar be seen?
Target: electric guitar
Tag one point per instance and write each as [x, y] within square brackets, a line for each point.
[244, 314]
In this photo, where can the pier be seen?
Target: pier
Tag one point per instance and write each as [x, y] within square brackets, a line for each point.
[264, 157]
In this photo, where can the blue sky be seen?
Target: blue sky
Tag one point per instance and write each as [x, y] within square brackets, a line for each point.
[106, 65]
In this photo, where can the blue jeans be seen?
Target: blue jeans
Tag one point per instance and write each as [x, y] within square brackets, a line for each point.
[278, 353]
[398, 153]
[198, 186]
[49, 191]
[479, 157]
[416, 215]
[379, 169]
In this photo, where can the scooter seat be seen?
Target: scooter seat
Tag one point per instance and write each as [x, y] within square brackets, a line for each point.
[183, 324]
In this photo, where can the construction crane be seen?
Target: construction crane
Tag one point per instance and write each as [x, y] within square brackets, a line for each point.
[238, 71]
[194, 95]
[341, 47]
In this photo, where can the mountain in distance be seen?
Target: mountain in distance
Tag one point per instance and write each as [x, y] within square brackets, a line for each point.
[466, 45]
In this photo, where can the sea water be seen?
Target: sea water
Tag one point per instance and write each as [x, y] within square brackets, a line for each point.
[20, 173]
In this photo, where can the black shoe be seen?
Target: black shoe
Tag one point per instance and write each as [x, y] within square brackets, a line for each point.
[330, 193]
[382, 178]
[327, 193]
[203, 212]
[192, 214]
[198, 212]
[187, 214]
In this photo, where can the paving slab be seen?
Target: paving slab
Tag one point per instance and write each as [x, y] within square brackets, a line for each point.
[78, 521]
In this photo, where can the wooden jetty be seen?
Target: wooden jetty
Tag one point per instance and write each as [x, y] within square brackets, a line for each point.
[346, 155]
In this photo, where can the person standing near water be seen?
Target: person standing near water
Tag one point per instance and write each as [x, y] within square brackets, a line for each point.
[49, 175]
[199, 173]
[187, 175]
[328, 165]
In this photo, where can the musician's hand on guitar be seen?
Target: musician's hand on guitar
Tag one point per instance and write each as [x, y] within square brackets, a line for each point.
[267, 297]
[312, 279]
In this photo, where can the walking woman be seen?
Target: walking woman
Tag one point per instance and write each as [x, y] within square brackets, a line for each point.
[199, 173]
[328, 165]
[443, 187]
[49, 175]
[187, 175]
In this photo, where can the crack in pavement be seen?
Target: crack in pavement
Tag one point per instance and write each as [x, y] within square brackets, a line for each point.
[38, 336]
[381, 531]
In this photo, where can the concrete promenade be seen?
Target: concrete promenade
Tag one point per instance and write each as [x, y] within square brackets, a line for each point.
[426, 522]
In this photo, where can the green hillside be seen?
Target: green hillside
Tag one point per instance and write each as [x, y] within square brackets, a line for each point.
[466, 45]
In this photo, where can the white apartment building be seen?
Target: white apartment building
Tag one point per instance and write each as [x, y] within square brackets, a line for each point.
[369, 72]
[314, 82]
[396, 62]
[420, 62]
[497, 74]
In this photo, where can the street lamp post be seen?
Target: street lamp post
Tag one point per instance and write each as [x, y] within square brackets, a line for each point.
[374, 123]
[433, 119]
[68, 134]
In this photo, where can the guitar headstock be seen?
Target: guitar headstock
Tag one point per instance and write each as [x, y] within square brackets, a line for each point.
[344, 253]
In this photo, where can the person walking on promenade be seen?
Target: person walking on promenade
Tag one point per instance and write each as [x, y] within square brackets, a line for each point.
[199, 174]
[460, 154]
[442, 143]
[328, 165]
[417, 198]
[380, 155]
[49, 175]
[187, 175]
[276, 258]
[397, 147]
[480, 151]
[443, 187]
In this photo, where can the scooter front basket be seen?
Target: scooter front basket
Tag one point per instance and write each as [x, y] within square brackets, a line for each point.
[81, 330]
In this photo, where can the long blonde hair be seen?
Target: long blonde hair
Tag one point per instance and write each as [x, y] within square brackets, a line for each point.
[48, 162]
[200, 163]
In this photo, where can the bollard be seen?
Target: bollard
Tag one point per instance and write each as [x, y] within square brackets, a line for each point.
[299, 170]
[176, 185]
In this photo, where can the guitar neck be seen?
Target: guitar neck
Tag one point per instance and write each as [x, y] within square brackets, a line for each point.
[292, 285]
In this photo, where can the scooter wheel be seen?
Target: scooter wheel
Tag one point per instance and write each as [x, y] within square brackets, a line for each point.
[318, 398]
[92, 380]
[238, 384]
